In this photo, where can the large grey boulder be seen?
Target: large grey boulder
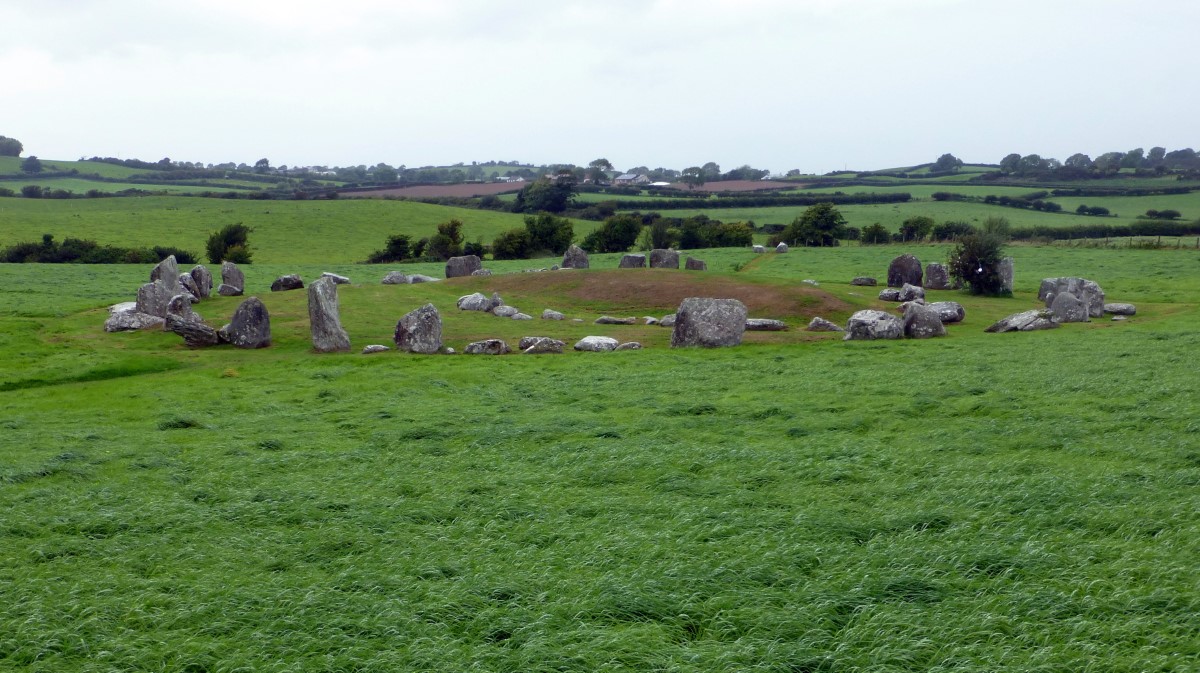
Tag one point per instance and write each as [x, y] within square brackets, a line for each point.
[1087, 291]
[707, 322]
[535, 345]
[179, 309]
[819, 324]
[226, 290]
[1006, 275]
[395, 278]
[949, 311]
[419, 331]
[250, 326]
[922, 322]
[759, 249]
[596, 344]
[167, 271]
[551, 314]
[487, 347]
[125, 317]
[1025, 321]
[664, 259]
[889, 294]
[152, 298]
[196, 334]
[1066, 307]
[667, 321]
[904, 269]
[1120, 309]
[632, 262]
[610, 320]
[937, 277]
[782, 247]
[864, 281]
[462, 266]
[504, 311]
[765, 325]
[477, 301]
[911, 292]
[232, 277]
[328, 335]
[870, 325]
[693, 264]
[204, 280]
[575, 258]
[288, 282]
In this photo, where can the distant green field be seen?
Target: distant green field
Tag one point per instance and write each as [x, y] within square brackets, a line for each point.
[284, 231]
[81, 186]
[12, 165]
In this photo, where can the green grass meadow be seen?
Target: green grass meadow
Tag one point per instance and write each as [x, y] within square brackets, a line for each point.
[1013, 502]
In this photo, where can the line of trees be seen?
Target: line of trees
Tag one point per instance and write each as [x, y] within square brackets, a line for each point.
[84, 251]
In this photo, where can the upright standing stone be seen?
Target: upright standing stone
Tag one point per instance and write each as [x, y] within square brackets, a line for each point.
[904, 269]
[152, 298]
[922, 322]
[232, 278]
[1006, 275]
[328, 336]
[420, 331]
[664, 259]
[179, 309]
[204, 281]
[632, 262]
[188, 284]
[168, 272]
[711, 323]
[782, 247]
[575, 258]
[462, 266]
[250, 326]
[693, 264]
[936, 277]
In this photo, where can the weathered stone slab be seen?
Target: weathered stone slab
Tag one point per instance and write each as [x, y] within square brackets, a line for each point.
[596, 344]
[475, 302]
[288, 282]
[167, 271]
[870, 325]
[1066, 307]
[904, 269]
[575, 258]
[374, 348]
[1120, 309]
[328, 335]
[765, 325]
[535, 345]
[550, 314]
[395, 278]
[864, 281]
[708, 322]
[911, 292]
[462, 266]
[819, 324]
[1089, 292]
[1025, 321]
[419, 331]
[949, 311]
[632, 262]
[204, 280]
[337, 279]
[487, 347]
[664, 259]
[250, 326]
[610, 320]
[693, 264]
[922, 322]
[152, 298]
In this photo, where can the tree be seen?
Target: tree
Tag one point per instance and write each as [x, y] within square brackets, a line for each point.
[31, 164]
[10, 147]
[1156, 155]
[1109, 162]
[447, 242]
[1079, 160]
[712, 170]
[1010, 163]
[693, 177]
[385, 174]
[916, 228]
[229, 244]
[976, 260]
[549, 233]
[596, 169]
[947, 162]
[1031, 163]
[399, 248]
[874, 233]
[551, 196]
[512, 244]
[1133, 158]
[615, 234]
[820, 225]
[262, 166]
[31, 191]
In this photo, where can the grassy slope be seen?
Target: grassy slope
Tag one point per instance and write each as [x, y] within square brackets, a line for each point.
[304, 232]
[980, 502]
[12, 165]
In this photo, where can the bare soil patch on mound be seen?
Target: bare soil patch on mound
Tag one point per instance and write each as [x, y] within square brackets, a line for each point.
[465, 190]
[656, 291]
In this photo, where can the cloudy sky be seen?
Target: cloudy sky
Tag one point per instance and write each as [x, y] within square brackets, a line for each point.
[816, 85]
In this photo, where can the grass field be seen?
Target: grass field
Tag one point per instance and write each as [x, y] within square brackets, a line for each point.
[974, 503]
[306, 232]
[81, 186]
[12, 166]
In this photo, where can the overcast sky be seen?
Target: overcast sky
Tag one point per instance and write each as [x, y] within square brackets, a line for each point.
[816, 85]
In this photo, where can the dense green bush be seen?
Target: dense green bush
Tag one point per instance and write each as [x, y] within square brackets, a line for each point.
[820, 225]
[548, 233]
[512, 244]
[398, 249]
[229, 243]
[81, 251]
[976, 262]
[616, 234]
[447, 242]
[949, 231]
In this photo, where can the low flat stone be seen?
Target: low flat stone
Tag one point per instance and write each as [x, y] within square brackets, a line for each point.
[949, 311]
[522, 316]
[481, 272]
[870, 325]
[551, 314]
[819, 324]
[1025, 321]
[632, 262]
[910, 292]
[374, 348]
[131, 321]
[765, 325]
[759, 249]
[228, 290]
[487, 347]
[123, 307]
[629, 346]
[288, 282]
[1120, 309]
[505, 311]
[421, 278]
[395, 278]
[649, 320]
[693, 264]
[864, 281]
[596, 344]
[610, 320]
[667, 321]
[890, 294]
[337, 279]
[195, 334]
[1118, 318]
[475, 302]
[810, 281]
[536, 345]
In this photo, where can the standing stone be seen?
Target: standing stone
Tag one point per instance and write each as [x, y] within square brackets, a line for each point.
[395, 278]
[759, 249]
[632, 262]
[462, 266]
[949, 311]
[864, 281]
[664, 259]
[575, 258]
[693, 264]
[702, 321]
[250, 326]
[937, 277]
[487, 347]
[819, 324]
[188, 284]
[1025, 321]
[420, 331]
[179, 310]
[1089, 292]
[1066, 307]
[168, 272]
[152, 298]
[288, 282]
[904, 269]
[204, 280]
[232, 277]
[870, 325]
[325, 323]
[596, 344]
[782, 247]
[1006, 275]
[922, 322]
